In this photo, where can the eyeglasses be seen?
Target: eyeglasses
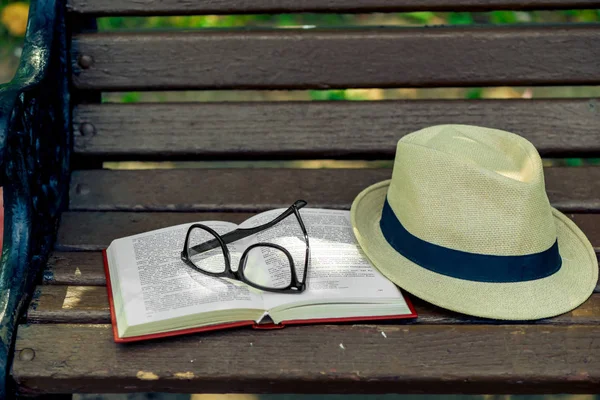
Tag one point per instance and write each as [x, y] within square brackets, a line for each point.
[264, 265]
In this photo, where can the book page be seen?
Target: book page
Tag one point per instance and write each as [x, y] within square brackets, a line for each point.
[156, 284]
[338, 271]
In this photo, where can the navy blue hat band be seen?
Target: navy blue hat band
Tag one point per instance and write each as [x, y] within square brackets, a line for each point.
[464, 265]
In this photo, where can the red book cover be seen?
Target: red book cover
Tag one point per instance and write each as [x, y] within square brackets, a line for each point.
[230, 325]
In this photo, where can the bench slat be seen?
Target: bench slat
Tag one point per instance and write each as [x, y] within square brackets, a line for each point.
[89, 305]
[69, 304]
[321, 129]
[370, 57]
[79, 268]
[569, 189]
[218, 189]
[183, 7]
[85, 269]
[95, 230]
[326, 359]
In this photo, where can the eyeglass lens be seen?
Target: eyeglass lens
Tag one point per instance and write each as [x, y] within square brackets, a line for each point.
[267, 267]
[263, 265]
[211, 261]
[288, 234]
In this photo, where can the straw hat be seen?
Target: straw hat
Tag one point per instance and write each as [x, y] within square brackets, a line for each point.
[465, 224]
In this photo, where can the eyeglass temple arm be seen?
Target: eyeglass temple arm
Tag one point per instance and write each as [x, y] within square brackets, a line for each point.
[242, 233]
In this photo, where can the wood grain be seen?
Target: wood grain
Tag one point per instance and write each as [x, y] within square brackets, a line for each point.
[75, 268]
[370, 57]
[327, 359]
[69, 304]
[569, 189]
[218, 189]
[184, 7]
[75, 234]
[322, 129]
[95, 230]
[89, 305]
[86, 268]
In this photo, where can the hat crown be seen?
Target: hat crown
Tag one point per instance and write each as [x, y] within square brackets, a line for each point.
[472, 189]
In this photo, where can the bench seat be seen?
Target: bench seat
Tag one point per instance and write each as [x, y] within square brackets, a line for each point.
[65, 344]
[59, 141]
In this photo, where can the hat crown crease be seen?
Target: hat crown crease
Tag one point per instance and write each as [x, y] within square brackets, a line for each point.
[473, 189]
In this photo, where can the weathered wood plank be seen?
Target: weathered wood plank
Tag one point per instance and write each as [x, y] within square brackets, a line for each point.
[322, 129]
[183, 7]
[86, 268]
[590, 225]
[69, 304]
[89, 305]
[75, 268]
[327, 359]
[370, 57]
[75, 232]
[218, 189]
[569, 189]
[573, 189]
[95, 230]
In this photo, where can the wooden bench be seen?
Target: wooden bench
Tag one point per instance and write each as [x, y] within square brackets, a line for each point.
[55, 133]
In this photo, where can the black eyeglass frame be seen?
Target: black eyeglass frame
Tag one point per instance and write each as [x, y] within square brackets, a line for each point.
[295, 285]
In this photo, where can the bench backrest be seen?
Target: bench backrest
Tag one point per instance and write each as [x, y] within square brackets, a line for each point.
[380, 57]
[313, 58]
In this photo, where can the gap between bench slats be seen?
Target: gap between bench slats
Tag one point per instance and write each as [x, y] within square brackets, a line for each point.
[89, 305]
[184, 7]
[321, 129]
[315, 359]
[569, 189]
[365, 57]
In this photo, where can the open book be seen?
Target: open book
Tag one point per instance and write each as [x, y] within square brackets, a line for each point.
[153, 293]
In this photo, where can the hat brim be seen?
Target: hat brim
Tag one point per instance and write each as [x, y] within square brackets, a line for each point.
[542, 298]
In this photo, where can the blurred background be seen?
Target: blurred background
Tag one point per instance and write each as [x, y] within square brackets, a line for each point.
[13, 21]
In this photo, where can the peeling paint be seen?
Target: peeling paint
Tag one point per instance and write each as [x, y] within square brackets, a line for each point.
[184, 375]
[147, 376]
[74, 295]
[48, 276]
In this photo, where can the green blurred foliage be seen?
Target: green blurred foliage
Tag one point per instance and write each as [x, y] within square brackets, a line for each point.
[475, 93]
[13, 20]
[574, 162]
[420, 17]
[504, 17]
[460, 18]
[328, 95]
[337, 20]
[131, 97]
